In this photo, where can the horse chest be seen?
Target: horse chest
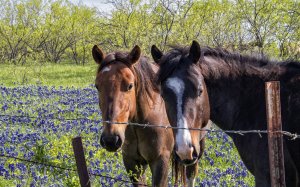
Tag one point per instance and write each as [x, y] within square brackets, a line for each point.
[151, 143]
[146, 142]
[253, 151]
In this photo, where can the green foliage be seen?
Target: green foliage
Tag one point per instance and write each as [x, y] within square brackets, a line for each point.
[56, 31]
[48, 74]
[5, 182]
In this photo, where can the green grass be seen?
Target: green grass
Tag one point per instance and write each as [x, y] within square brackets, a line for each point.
[65, 75]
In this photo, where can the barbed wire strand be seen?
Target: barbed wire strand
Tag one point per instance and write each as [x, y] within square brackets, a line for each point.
[293, 136]
[68, 169]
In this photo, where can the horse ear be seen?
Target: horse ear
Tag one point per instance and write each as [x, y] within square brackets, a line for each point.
[98, 54]
[156, 54]
[195, 52]
[134, 54]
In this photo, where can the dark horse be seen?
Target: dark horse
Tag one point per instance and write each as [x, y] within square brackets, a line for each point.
[187, 104]
[127, 93]
[236, 91]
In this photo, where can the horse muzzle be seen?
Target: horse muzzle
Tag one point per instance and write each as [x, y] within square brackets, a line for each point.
[111, 142]
[187, 156]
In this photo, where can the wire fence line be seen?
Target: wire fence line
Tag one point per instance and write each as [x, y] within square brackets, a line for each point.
[67, 169]
[292, 136]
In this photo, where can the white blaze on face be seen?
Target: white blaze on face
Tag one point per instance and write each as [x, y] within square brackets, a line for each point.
[105, 69]
[183, 137]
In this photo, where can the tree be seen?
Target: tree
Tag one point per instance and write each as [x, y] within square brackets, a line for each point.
[83, 25]
[260, 19]
[57, 29]
[15, 31]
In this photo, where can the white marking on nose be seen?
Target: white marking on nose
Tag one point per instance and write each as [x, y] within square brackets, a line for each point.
[183, 137]
[105, 69]
[191, 182]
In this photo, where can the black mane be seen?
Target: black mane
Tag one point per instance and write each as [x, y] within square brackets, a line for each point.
[234, 64]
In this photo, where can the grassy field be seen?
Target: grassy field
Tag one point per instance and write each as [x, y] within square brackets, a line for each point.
[66, 75]
[65, 91]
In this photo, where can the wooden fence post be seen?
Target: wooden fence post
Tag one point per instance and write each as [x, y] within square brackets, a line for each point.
[275, 141]
[80, 162]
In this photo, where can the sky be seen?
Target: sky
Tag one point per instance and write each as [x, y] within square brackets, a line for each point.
[100, 4]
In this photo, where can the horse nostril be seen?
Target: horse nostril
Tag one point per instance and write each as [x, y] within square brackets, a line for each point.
[102, 142]
[118, 141]
[194, 154]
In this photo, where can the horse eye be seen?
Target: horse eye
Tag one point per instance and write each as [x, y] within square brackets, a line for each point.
[130, 86]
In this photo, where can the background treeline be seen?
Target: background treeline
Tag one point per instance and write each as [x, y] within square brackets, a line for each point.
[57, 30]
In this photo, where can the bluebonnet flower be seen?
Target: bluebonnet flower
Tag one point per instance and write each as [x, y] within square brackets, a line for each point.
[218, 164]
[91, 153]
[11, 167]
[4, 107]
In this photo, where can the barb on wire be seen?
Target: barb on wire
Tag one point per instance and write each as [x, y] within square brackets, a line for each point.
[68, 169]
[293, 136]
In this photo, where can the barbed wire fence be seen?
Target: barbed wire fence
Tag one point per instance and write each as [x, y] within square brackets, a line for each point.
[292, 136]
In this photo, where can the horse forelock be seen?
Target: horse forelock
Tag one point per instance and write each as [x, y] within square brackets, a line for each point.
[170, 62]
[114, 57]
[142, 70]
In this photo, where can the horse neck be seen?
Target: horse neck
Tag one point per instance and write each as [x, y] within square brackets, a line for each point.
[235, 95]
[150, 110]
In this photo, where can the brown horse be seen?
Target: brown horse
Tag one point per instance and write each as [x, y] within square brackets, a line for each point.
[235, 85]
[127, 93]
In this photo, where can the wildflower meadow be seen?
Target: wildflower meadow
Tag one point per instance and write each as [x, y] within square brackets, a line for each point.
[38, 124]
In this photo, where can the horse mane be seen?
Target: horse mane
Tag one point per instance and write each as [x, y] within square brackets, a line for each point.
[145, 76]
[233, 64]
[142, 70]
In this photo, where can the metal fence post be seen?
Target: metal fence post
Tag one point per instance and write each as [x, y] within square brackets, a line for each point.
[275, 141]
[80, 162]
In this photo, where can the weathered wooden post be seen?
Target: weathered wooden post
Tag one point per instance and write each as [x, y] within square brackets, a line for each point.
[275, 141]
[80, 162]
